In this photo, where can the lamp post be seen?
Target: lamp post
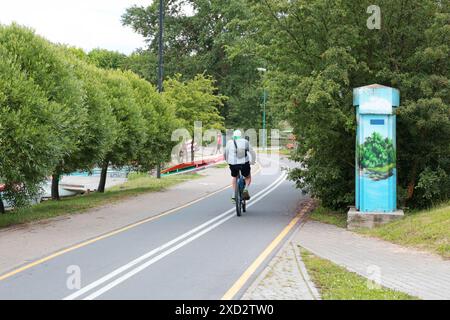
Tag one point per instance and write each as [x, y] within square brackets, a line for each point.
[263, 70]
[160, 63]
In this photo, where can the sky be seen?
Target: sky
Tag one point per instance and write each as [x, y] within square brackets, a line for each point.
[86, 24]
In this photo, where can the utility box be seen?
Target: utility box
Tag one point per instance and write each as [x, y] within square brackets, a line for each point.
[375, 169]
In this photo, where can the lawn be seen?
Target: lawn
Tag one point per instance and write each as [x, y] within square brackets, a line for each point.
[136, 185]
[325, 215]
[427, 230]
[337, 283]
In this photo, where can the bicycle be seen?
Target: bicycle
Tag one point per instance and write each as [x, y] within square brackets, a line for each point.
[241, 205]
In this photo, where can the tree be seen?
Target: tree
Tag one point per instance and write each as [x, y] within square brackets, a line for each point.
[197, 44]
[194, 100]
[30, 141]
[107, 59]
[46, 66]
[130, 124]
[318, 51]
[160, 122]
[100, 124]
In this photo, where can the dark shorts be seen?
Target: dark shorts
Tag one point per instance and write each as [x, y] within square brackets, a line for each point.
[244, 168]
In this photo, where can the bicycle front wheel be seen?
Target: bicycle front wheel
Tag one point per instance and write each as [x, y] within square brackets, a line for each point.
[237, 197]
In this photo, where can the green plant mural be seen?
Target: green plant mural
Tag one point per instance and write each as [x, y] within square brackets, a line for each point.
[377, 156]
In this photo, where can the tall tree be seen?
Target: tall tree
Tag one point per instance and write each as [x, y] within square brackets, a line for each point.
[130, 124]
[49, 69]
[30, 141]
[197, 44]
[318, 51]
[194, 100]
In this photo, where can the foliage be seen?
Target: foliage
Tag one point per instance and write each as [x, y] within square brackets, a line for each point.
[107, 59]
[197, 44]
[43, 65]
[318, 51]
[29, 136]
[157, 114]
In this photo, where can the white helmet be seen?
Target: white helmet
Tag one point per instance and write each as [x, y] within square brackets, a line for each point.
[237, 134]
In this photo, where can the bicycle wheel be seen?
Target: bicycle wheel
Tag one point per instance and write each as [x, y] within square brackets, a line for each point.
[237, 197]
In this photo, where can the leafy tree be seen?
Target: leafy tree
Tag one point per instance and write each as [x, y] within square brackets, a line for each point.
[30, 141]
[318, 51]
[48, 69]
[100, 123]
[198, 44]
[159, 123]
[107, 59]
[130, 124]
[194, 100]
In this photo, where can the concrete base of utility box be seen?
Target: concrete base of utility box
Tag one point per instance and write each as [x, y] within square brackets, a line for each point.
[357, 219]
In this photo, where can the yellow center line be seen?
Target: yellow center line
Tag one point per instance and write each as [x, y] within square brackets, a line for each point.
[109, 234]
[239, 284]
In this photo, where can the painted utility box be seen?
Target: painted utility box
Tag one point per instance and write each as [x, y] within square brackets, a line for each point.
[376, 176]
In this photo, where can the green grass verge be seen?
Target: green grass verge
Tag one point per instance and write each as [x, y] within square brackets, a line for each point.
[221, 165]
[324, 215]
[136, 185]
[337, 283]
[426, 230]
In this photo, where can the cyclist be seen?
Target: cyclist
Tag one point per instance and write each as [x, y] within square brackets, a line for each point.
[236, 155]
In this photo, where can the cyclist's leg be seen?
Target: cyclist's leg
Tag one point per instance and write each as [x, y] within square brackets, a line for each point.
[246, 172]
[234, 173]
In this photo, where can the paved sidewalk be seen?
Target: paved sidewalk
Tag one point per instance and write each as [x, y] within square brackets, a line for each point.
[419, 274]
[25, 243]
[285, 278]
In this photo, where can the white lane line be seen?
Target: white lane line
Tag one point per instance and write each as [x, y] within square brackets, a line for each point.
[175, 248]
[162, 247]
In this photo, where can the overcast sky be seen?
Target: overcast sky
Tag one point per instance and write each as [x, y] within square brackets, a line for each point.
[87, 24]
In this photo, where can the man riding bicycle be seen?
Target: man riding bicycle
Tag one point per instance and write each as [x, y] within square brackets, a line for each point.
[236, 155]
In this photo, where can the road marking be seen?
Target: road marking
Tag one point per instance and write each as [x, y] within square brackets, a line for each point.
[239, 284]
[224, 216]
[109, 234]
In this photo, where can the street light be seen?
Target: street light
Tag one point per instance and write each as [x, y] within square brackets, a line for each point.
[160, 63]
[263, 70]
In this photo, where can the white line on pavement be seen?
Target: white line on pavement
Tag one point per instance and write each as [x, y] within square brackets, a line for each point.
[140, 259]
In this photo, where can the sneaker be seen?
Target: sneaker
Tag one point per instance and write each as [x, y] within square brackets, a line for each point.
[246, 195]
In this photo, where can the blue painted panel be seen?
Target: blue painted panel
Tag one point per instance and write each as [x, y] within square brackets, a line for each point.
[377, 122]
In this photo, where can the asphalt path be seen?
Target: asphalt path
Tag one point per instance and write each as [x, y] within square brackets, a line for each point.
[196, 252]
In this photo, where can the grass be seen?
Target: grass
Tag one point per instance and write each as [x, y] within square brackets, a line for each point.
[221, 165]
[324, 215]
[136, 185]
[282, 151]
[337, 283]
[427, 230]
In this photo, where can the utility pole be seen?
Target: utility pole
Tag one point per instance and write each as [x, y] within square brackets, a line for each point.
[264, 120]
[161, 62]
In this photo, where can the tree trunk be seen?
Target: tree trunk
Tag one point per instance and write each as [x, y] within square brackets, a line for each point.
[2, 206]
[192, 151]
[55, 186]
[412, 182]
[103, 175]
[158, 171]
